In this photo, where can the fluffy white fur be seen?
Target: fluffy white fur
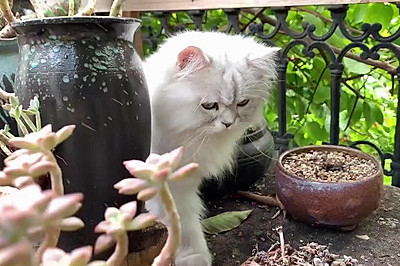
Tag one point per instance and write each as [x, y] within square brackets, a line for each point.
[191, 69]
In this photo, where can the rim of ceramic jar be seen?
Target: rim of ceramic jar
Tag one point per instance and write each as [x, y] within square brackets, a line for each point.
[75, 19]
[8, 41]
[378, 172]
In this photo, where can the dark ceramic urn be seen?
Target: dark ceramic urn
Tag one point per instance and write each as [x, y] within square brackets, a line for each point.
[86, 72]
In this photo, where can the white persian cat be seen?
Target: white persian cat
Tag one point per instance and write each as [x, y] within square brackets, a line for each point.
[205, 88]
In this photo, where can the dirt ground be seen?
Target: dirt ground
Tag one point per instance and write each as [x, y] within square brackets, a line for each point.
[234, 247]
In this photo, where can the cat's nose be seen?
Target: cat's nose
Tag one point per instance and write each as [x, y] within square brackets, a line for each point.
[226, 124]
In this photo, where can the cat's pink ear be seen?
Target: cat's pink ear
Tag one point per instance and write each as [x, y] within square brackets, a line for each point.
[192, 58]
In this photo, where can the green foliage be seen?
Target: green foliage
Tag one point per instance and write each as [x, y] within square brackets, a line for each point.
[368, 94]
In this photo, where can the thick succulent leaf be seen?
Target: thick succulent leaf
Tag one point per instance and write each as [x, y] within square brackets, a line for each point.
[129, 209]
[103, 243]
[101, 227]
[147, 193]
[63, 206]
[23, 181]
[98, 263]
[81, 256]
[17, 254]
[175, 157]
[71, 224]
[41, 168]
[153, 158]
[225, 221]
[23, 143]
[139, 169]
[7, 190]
[48, 142]
[143, 220]
[53, 254]
[161, 175]
[130, 186]
[183, 172]
[64, 133]
[111, 212]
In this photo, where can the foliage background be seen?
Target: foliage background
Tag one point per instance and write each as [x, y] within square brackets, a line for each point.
[368, 93]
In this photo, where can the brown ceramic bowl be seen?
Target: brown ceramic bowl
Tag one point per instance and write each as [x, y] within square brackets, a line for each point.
[338, 205]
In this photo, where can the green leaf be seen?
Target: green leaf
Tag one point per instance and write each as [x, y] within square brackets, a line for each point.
[14, 101]
[34, 103]
[343, 118]
[368, 114]
[344, 99]
[316, 131]
[355, 66]
[319, 24]
[322, 94]
[377, 114]
[357, 113]
[225, 221]
[300, 107]
[359, 13]
[379, 13]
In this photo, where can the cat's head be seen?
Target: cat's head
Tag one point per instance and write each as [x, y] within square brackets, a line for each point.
[217, 82]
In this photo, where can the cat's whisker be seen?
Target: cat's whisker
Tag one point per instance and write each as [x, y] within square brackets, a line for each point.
[202, 100]
[196, 137]
[200, 145]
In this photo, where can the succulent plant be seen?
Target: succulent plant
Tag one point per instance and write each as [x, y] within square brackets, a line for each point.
[151, 180]
[115, 227]
[29, 212]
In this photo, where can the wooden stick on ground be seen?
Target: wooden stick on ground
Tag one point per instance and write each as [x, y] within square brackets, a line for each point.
[267, 200]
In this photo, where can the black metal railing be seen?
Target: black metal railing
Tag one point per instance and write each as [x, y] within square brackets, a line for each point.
[152, 36]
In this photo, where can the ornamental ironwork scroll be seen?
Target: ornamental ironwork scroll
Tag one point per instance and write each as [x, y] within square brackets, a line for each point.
[311, 42]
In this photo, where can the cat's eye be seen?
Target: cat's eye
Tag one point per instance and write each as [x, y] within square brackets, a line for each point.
[243, 103]
[210, 106]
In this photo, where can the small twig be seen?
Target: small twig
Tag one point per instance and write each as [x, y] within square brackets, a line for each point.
[29, 122]
[281, 240]
[38, 121]
[7, 12]
[3, 144]
[88, 9]
[37, 8]
[253, 19]
[71, 7]
[50, 240]
[22, 126]
[5, 149]
[56, 178]
[355, 105]
[267, 200]
[5, 96]
[117, 8]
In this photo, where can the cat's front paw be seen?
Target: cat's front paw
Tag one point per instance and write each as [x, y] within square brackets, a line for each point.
[194, 260]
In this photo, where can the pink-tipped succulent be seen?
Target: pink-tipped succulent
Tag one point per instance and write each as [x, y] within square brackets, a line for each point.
[114, 230]
[58, 257]
[35, 158]
[30, 211]
[151, 174]
[151, 180]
